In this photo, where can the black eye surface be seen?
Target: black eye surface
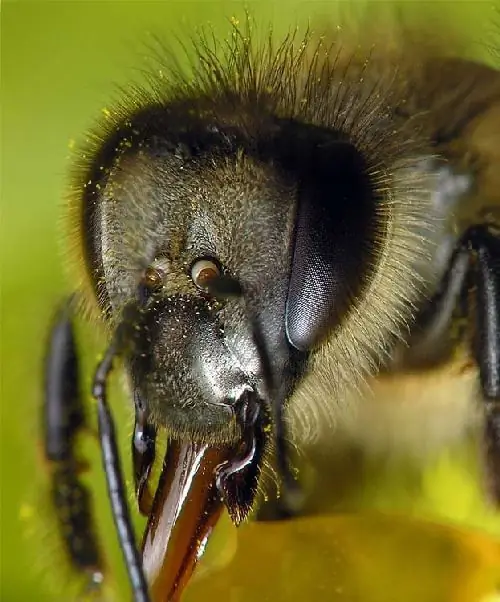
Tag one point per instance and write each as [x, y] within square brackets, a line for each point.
[203, 271]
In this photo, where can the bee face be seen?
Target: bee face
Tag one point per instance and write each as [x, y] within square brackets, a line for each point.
[169, 191]
[170, 208]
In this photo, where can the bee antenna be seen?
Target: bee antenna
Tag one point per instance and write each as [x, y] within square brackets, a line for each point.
[112, 465]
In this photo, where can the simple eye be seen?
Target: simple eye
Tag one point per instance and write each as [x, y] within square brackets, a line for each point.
[151, 282]
[153, 277]
[204, 270]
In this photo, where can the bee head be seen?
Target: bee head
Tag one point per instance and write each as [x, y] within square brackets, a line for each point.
[188, 202]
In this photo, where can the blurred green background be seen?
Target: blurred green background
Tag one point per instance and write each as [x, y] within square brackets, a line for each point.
[61, 64]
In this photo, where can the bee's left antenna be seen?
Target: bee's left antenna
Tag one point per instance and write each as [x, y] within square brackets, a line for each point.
[113, 470]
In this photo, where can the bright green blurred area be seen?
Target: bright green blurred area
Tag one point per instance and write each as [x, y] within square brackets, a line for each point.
[61, 63]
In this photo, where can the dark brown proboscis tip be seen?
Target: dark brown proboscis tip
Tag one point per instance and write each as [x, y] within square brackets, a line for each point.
[186, 508]
[197, 481]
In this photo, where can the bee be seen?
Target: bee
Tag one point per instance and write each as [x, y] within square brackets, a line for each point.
[290, 228]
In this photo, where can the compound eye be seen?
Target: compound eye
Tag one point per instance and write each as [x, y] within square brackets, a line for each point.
[203, 271]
